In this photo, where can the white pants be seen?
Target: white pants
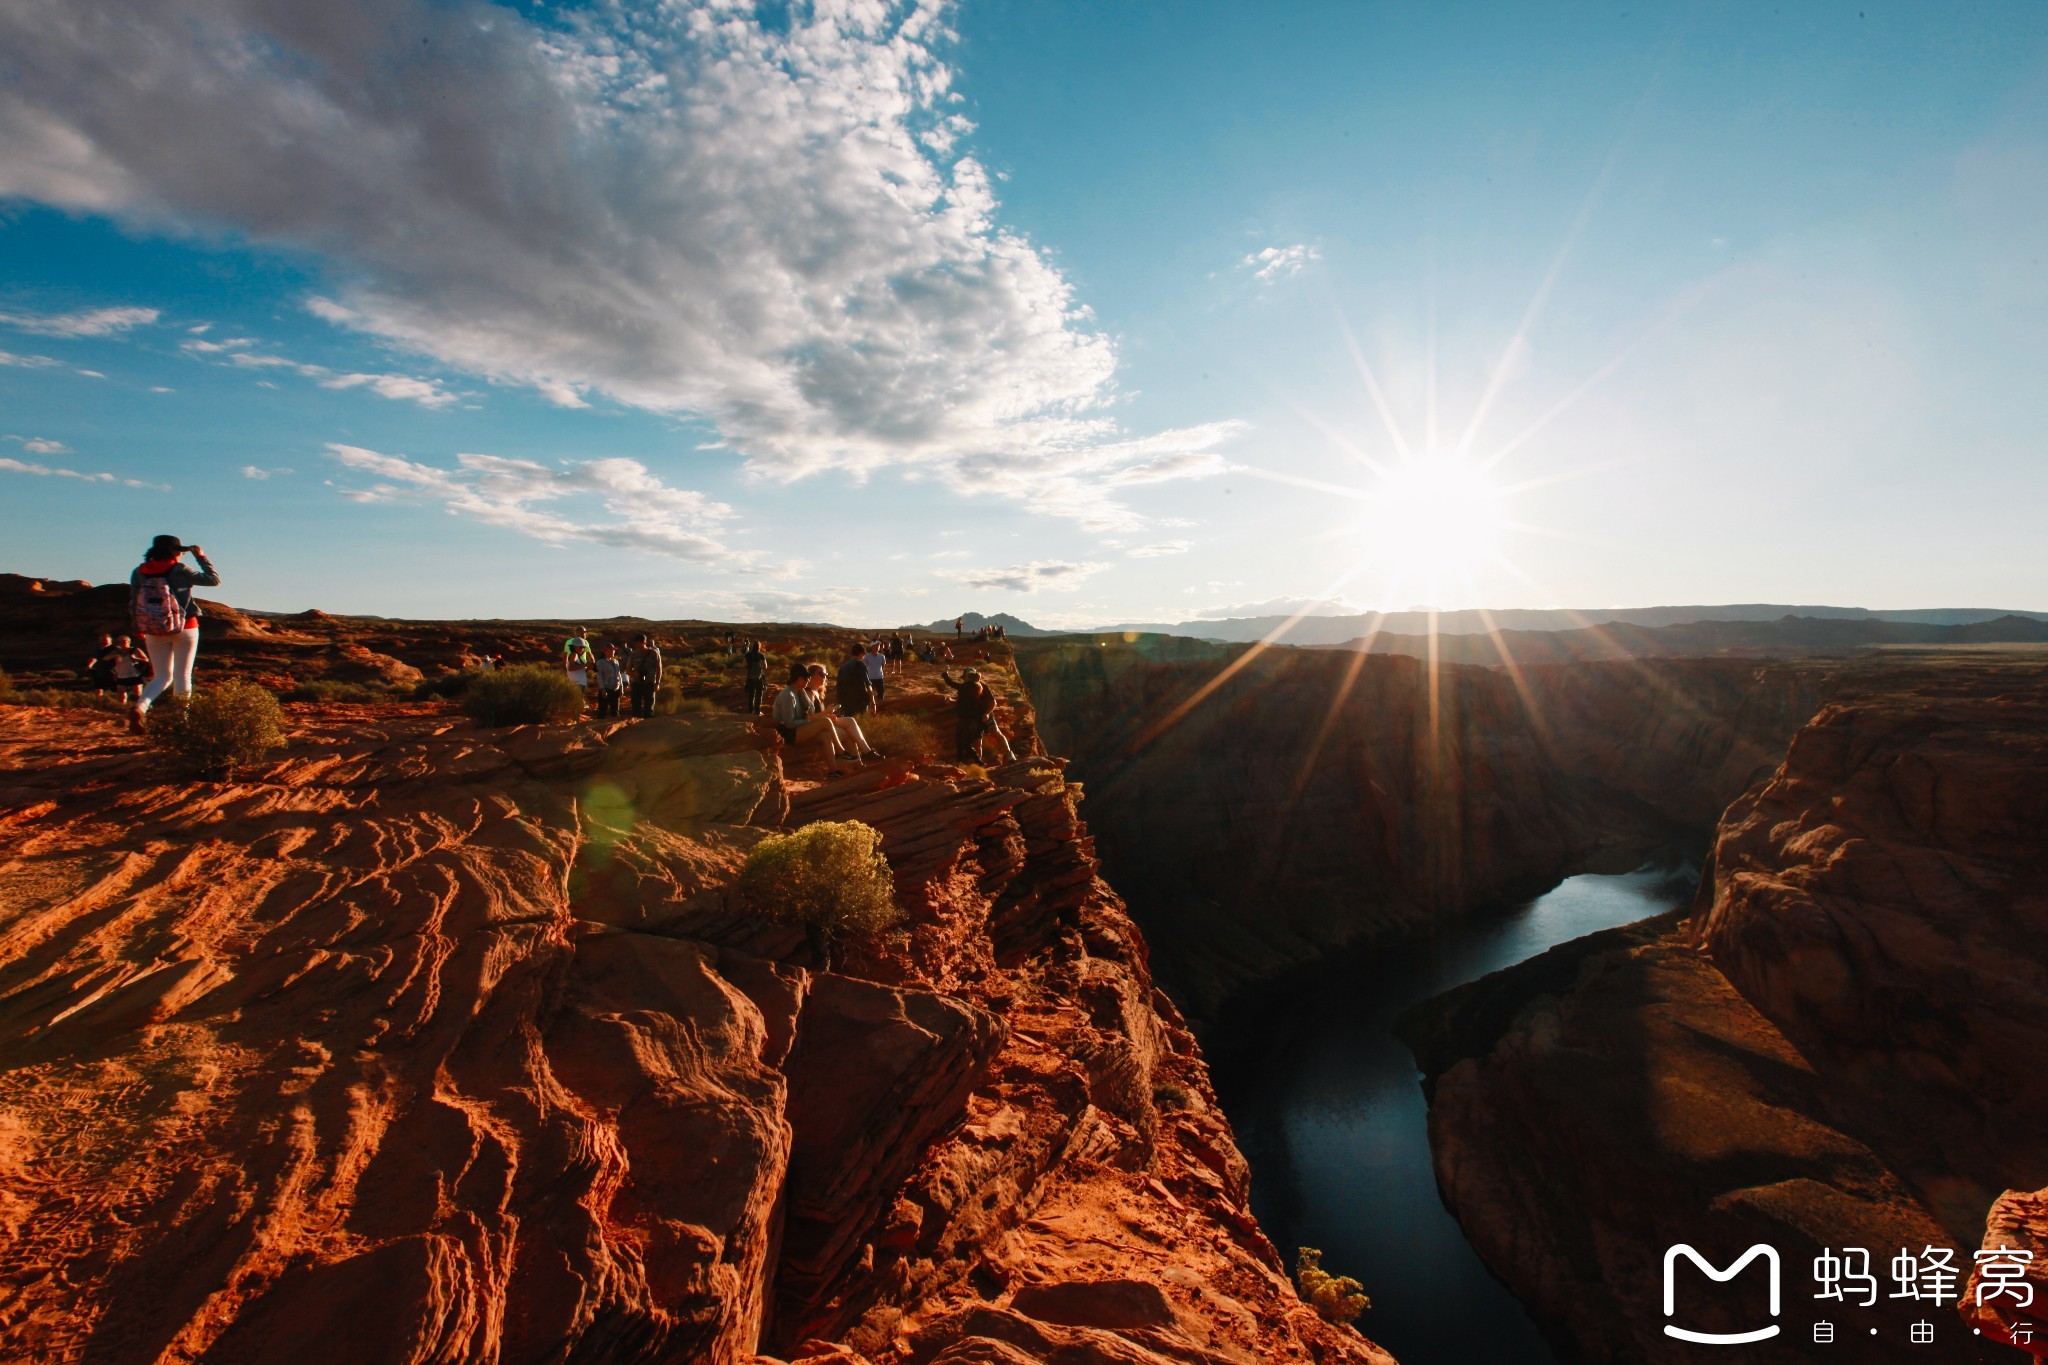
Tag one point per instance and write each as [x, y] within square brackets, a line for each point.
[171, 656]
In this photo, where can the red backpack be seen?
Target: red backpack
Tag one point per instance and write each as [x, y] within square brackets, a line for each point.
[154, 604]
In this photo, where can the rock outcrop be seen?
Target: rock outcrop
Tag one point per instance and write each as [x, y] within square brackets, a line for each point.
[1840, 1048]
[430, 1044]
[1883, 900]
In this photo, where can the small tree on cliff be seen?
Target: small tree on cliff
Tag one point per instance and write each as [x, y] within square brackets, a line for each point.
[830, 877]
[1336, 1298]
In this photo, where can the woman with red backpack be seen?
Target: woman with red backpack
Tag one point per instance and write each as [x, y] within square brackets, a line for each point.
[166, 617]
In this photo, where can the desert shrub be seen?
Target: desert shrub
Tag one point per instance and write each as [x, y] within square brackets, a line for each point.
[901, 735]
[1336, 1298]
[830, 877]
[213, 733]
[328, 689]
[1170, 1097]
[64, 699]
[526, 695]
[446, 685]
[670, 701]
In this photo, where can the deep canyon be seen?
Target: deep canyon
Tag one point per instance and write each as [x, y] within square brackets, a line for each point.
[429, 1043]
[1835, 1045]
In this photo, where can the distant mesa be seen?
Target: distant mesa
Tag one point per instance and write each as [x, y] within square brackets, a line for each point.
[1337, 630]
[973, 620]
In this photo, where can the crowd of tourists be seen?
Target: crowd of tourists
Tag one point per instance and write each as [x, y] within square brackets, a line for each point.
[162, 652]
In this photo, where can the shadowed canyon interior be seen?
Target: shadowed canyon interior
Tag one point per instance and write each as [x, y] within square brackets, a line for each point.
[1838, 1044]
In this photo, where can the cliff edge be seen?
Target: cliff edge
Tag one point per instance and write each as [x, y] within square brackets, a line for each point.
[425, 1043]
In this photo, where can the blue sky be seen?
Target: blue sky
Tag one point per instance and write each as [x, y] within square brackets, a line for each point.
[876, 314]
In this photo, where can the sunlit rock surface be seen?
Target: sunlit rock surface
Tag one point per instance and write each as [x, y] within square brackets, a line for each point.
[423, 1043]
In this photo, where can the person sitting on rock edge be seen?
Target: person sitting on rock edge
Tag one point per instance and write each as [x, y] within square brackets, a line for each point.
[801, 720]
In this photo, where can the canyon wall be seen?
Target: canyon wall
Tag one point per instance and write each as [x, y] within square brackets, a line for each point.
[1840, 1045]
[1260, 809]
[425, 1043]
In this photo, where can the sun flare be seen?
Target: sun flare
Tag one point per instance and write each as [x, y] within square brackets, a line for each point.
[1435, 518]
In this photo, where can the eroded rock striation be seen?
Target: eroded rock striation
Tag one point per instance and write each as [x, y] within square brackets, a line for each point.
[431, 1044]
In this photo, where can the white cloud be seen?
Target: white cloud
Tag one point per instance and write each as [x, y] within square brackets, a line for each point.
[38, 445]
[27, 362]
[234, 351]
[646, 514]
[827, 605]
[1029, 578]
[1164, 547]
[47, 471]
[672, 206]
[1278, 262]
[428, 393]
[90, 322]
[250, 471]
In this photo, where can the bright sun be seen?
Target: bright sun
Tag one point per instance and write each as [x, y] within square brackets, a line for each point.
[1435, 519]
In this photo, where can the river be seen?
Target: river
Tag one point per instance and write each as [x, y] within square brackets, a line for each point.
[1328, 1108]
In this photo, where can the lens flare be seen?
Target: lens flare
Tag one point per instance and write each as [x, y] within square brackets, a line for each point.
[1434, 518]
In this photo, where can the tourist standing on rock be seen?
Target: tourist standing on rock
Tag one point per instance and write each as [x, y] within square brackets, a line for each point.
[576, 658]
[958, 623]
[130, 670]
[166, 617]
[757, 676]
[973, 708]
[645, 666]
[878, 672]
[611, 680]
[855, 695]
[99, 669]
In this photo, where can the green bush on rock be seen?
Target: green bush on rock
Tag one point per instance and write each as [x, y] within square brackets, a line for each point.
[527, 695]
[829, 877]
[1336, 1298]
[211, 734]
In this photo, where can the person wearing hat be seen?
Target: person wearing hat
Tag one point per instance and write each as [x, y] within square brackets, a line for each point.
[974, 705]
[160, 595]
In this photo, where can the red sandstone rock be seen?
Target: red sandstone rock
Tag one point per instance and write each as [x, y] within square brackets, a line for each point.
[426, 1043]
[1884, 901]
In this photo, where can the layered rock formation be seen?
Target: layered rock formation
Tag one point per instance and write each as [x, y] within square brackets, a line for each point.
[1840, 1048]
[429, 1044]
[1263, 808]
